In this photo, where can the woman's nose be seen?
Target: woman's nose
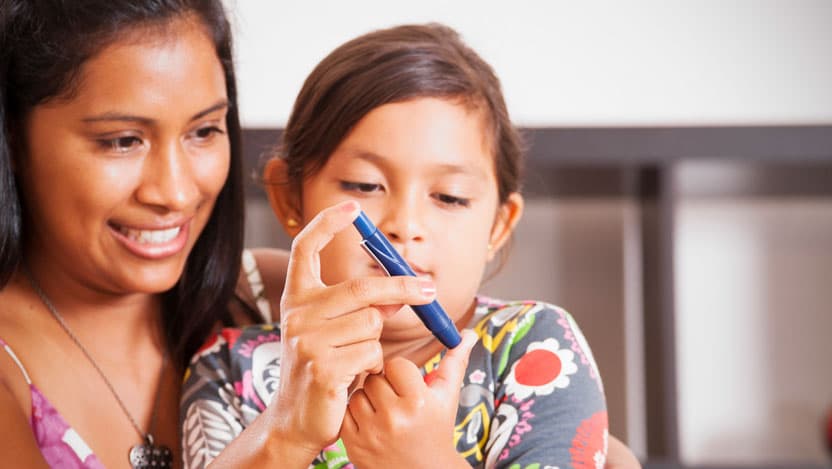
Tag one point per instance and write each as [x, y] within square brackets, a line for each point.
[168, 179]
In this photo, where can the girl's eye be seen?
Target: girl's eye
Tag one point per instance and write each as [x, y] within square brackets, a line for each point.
[364, 187]
[452, 200]
[121, 144]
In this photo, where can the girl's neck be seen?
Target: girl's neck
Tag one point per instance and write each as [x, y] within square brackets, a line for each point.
[420, 350]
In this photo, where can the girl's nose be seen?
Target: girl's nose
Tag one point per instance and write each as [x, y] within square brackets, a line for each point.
[402, 224]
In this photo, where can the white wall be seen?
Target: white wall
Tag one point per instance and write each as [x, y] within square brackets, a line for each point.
[753, 325]
[567, 63]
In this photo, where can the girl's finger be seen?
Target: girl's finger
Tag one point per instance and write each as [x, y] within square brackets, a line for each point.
[404, 377]
[378, 390]
[360, 405]
[451, 372]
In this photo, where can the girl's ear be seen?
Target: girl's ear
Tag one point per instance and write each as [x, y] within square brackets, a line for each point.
[283, 201]
[507, 217]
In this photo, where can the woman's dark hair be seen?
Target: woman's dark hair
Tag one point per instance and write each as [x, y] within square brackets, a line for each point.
[394, 65]
[44, 46]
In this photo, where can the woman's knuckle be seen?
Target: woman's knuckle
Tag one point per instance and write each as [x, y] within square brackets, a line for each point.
[405, 286]
[360, 288]
[373, 320]
[375, 351]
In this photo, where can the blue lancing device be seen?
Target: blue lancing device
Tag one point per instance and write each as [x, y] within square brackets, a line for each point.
[379, 248]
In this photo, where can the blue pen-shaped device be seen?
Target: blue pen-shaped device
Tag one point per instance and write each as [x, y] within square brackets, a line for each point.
[380, 249]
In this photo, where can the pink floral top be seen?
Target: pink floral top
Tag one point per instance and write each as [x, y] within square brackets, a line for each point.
[60, 445]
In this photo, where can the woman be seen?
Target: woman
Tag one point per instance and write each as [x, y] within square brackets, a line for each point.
[122, 223]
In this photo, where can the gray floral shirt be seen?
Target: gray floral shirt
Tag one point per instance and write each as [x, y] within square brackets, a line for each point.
[532, 397]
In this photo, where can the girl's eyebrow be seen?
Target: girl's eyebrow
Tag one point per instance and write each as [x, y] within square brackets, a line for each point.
[444, 168]
[121, 117]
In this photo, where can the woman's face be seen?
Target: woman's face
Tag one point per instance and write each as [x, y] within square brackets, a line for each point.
[423, 171]
[120, 179]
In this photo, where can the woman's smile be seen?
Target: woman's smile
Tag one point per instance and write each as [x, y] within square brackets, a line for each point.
[153, 243]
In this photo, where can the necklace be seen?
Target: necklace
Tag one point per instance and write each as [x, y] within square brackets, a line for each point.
[144, 455]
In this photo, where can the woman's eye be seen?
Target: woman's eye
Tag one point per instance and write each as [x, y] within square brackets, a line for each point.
[364, 187]
[452, 200]
[205, 133]
[121, 144]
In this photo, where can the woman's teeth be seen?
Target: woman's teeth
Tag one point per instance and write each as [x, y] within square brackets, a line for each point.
[151, 236]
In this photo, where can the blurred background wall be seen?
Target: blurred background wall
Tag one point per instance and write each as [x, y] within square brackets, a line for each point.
[750, 239]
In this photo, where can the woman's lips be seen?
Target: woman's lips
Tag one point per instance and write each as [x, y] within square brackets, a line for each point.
[152, 243]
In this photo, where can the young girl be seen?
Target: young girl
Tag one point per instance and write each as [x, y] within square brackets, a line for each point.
[409, 123]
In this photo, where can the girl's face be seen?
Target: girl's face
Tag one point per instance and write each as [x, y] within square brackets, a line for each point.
[119, 180]
[423, 171]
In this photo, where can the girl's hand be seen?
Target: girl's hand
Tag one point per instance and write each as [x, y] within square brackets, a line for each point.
[398, 420]
[329, 335]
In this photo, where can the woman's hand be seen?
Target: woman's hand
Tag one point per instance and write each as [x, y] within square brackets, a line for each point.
[329, 335]
[399, 420]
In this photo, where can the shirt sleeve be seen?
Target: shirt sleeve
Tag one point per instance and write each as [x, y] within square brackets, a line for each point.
[220, 396]
[549, 406]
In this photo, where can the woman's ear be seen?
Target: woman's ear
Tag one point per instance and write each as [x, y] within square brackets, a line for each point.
[507, 217]
[283, 201]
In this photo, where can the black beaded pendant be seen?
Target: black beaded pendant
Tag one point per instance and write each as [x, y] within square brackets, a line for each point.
[150, 456]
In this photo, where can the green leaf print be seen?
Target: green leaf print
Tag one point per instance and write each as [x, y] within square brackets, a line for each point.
[526, 323]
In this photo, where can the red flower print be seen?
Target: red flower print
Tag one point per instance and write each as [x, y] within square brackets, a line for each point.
[589, 447]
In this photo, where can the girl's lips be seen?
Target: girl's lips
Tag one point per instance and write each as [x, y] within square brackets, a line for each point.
[152, 243]
[419, 273]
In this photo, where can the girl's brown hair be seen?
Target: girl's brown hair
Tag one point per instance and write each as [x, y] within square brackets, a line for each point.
[394, 65]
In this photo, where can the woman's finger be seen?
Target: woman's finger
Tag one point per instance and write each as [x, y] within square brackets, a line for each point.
[351, 328]
[358, 293]
[304, 260]
[358, 358]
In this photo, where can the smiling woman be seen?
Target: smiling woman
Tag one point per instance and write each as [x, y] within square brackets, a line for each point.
[121, 223]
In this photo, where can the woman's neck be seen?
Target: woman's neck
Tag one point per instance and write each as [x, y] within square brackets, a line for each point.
[101, 320]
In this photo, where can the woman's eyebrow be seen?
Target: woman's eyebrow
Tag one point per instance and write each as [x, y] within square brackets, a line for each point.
[117, 116]
[122, 117]
[221, 104]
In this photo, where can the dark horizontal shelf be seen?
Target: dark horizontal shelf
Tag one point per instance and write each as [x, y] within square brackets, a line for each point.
[611, 162]
[622, 146]
[638, 146]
